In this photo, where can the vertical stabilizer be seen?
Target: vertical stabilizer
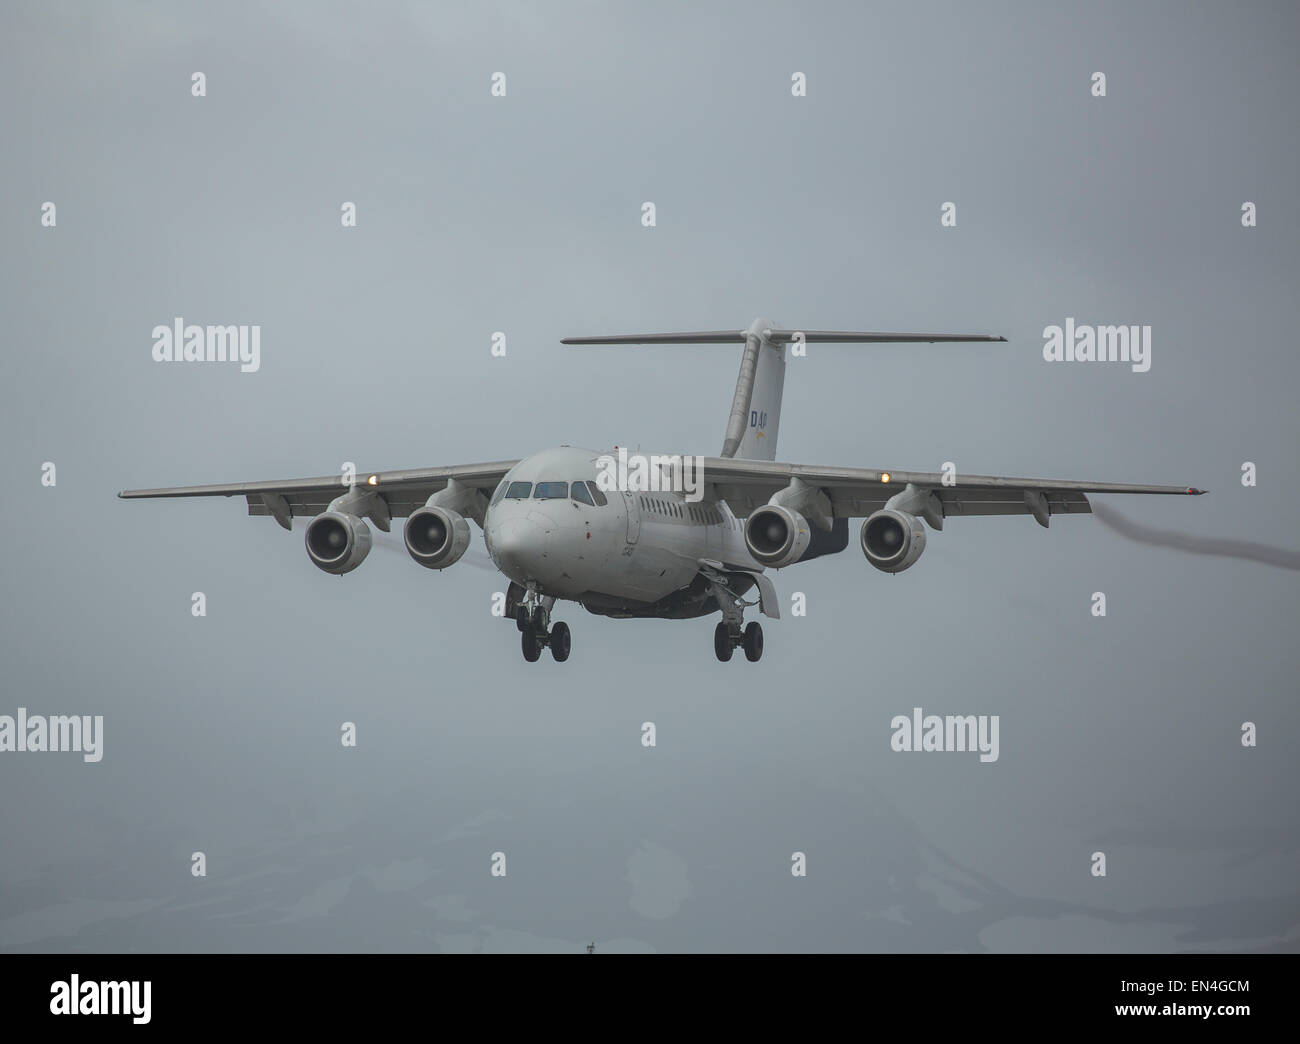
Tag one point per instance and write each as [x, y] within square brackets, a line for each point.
[756, 406]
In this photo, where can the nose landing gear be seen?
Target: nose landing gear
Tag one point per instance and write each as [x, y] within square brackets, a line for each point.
[536, 632]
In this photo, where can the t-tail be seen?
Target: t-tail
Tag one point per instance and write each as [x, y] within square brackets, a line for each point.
[756, 406]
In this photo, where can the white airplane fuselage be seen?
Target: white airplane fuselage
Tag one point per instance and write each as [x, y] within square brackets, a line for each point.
[638, 547]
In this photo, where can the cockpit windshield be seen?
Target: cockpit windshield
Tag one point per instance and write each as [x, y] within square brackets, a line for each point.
[581, 491]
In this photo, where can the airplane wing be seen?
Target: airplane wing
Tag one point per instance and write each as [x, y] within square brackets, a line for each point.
[402, 491]
[858, 492]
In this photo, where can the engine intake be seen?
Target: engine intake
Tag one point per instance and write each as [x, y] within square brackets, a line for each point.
[776, 536]
[892, 540]
[436, 537]
[336, 542]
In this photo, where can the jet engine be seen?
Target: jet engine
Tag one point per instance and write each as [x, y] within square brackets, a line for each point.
[892, 540]
[776, 536]
[436, 537]
[337, 542]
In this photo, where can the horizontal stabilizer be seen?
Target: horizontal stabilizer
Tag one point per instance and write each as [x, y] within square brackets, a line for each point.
[853, 337]
[781, 337]
[700, 337]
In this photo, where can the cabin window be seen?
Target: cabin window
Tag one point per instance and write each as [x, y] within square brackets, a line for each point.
[519, 490]
[581, 495]
[597, 494]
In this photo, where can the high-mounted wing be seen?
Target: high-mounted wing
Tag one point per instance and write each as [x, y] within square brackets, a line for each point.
[859, 492]
[401, 491]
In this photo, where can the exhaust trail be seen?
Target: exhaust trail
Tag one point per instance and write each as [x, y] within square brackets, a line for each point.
[1195, 545]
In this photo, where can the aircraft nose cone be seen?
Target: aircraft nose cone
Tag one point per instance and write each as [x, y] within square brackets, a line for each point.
[517, 548]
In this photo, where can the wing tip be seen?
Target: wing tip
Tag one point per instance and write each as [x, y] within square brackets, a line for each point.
[1192, 491]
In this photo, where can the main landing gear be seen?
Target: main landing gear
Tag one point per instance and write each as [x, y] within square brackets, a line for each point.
[726, 639]
[536, 632]
[732, 631]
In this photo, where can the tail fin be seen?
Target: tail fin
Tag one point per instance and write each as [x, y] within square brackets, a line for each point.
[756, 406]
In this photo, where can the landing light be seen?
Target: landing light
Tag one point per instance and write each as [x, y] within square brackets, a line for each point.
[373, 480]
[884, 477]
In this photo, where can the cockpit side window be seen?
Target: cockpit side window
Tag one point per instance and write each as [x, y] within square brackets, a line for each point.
[581, 495]
[551, 491]
[501, 492]
[519, 490]
[597, 494]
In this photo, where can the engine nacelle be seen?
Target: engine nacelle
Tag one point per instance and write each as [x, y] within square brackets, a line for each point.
[892, 540]
[436, 537]
[776, 536]
[337, 542]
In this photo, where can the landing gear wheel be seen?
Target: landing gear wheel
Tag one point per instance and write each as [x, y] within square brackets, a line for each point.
[539, 619]
[521, 618]
[753, 642]
[722, 647]
[532, 647]
[560, 642]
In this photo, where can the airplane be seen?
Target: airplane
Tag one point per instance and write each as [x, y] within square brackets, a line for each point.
[661, 546]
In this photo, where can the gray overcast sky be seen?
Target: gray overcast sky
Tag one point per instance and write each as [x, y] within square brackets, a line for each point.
[522, 214]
